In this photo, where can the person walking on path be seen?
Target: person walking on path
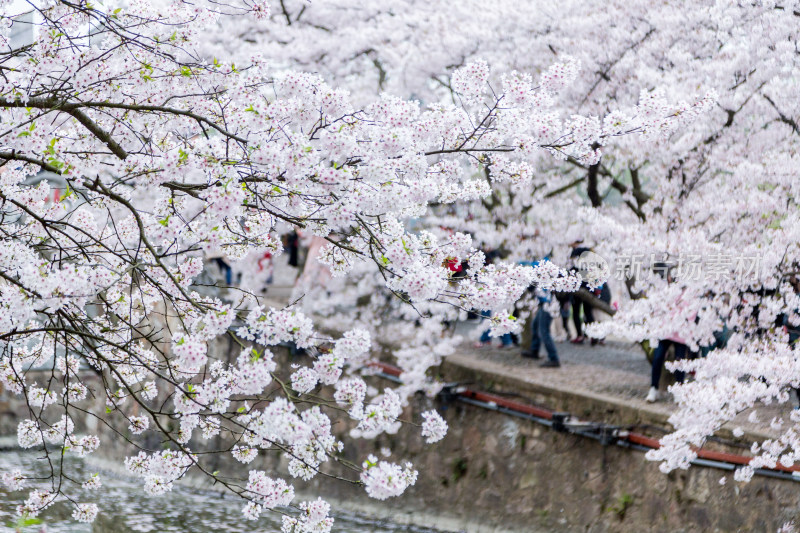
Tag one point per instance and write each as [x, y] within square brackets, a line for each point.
[293, 247]
[602, 292]
[785, 321]
[660, 356]
[506, 341]
[540, 332]
[564, 304]
[675, 340]
[540, 327]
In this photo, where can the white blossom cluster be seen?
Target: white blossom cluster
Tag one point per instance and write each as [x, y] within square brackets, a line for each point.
[138, 147]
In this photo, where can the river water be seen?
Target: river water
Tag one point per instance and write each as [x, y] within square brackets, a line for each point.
[125, 508]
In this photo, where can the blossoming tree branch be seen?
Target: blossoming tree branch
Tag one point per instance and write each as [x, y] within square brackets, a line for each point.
[168, 155]
[722, 186]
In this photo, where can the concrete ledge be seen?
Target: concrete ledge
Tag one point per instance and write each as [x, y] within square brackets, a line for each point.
[535, 387]
[496, 378]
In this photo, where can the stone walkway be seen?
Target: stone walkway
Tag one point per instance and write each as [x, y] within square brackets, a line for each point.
[616, 368]
[616, 374]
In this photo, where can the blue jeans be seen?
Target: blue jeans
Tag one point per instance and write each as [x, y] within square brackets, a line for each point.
[540, 333]
[226, 270]
[485, 338]
[505, 339]
[660, 355]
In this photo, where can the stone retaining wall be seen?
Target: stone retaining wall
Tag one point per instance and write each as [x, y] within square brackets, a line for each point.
[497, 473]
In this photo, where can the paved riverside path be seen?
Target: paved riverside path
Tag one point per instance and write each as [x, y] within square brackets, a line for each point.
[607, 379]
[617, 369]
[606, 383]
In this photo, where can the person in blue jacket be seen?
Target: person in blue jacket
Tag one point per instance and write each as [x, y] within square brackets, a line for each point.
[540, 327]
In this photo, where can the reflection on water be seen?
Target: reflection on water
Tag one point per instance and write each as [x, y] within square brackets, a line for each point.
[125, 508]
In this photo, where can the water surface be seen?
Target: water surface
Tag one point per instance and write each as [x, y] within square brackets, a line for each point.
[125, 508]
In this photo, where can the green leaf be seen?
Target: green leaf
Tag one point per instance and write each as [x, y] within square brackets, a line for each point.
[52, 161]
[186, 72]
[29, 131]
[25, 521]
[146, 71]
[775, 224]
[51, 148]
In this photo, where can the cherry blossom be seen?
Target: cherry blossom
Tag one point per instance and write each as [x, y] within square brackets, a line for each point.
[434, 428]
[140, 146]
